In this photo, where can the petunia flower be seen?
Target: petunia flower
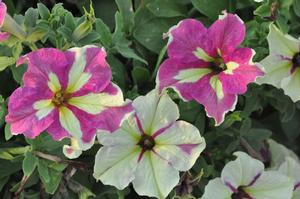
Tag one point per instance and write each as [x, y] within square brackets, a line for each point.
[67, 94]
[245, 178]
[206, 65]
[149, 148]
[282, 66]
[287, 163]
[3, 9]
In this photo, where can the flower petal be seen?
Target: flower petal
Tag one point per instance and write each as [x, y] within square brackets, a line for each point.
[215, 189]
[161, 176]
[278, 153]
[186, 38]
[89, 72]
[228, 33]
[280, 44]
[291, 85]
[291, 168]
[23, 116]
[173, 73]
[42, 63]
[240, 71]
[180, 144]
[243, 171]
[76, 148]
[3, 10]
[70, 122]
[271, 184]
[110, 162]
[276, 68]
[155, 111]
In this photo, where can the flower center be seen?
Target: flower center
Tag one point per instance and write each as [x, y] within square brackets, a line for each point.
[241, 194]
[296, 60]
[60, 98]
[146, 142]
[218, 65]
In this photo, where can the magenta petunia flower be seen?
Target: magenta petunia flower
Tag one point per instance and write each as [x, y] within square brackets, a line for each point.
[206, 65]
[3, 9]
[67, 94]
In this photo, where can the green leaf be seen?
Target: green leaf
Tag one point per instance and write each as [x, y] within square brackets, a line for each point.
[3, 110]
[3, 181]
[296, 6]
[119, 72]
[256, 137]
[126, 11]
[104, 32]
[52, 185]
[211, 8]
[31, 17]
[140, 75]
[6, 61]
[5, 155]
[166, 8]
[43, 171]
[43, 11]
[29, 163]
[18, 72]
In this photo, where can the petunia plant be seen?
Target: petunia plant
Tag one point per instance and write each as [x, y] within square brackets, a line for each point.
[207, 65]
[67, 94]
[150, 144]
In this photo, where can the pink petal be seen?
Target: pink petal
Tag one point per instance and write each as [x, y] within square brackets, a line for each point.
[21, 114]
[97, 66]
[169, 69]
[245, 73]
[3, 10]
[44, 61]
[185, 38]
[4, 36]
[55, 129]
[227, 33]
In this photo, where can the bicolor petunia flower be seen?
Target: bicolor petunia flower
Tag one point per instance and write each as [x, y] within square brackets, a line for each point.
[3, 35]
[282, 66]
[206, 65]
[67, 94]
[149, 148]
[245, 178]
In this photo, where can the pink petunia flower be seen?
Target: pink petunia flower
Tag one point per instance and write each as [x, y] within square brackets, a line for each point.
[67, 94]
[3, 35]
[206, 65]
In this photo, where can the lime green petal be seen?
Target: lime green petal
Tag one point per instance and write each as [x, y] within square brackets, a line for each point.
[281, 44]
[76, 148]
[278, 153]
[155, 111]
[154, 177]
[271, 185]
[275, 70]
[116, 165]
[296, 194]
[291, 85]
[181, 145]
[241, 171]
[215, 189]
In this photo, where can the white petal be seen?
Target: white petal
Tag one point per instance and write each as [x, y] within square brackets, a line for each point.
[242, 171]
[76, 148]
[291, 168]
[116, 165]
[291, 85]
[215, 189]
[154, 177]
[181, 145]
[271, 185]
[155, 111]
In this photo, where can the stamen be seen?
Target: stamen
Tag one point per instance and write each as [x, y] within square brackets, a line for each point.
[146, 142]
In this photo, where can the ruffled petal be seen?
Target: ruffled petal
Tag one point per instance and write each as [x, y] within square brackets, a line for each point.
[227, 33]
[291, 168]
[89, 72]
[29, 112]
[112, 161]
[215, 189]
[240, 71]
[161, 176]
[187, 39]
[244, 171]
[76, 148]
[180, 144]
[271, 184]
[155, 111]
[46, 64]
